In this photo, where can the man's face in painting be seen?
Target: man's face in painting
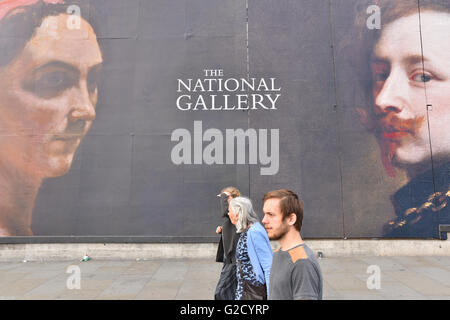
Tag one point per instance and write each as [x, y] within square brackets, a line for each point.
[401, 82]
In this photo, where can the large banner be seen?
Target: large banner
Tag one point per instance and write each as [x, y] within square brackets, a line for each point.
[126, 118]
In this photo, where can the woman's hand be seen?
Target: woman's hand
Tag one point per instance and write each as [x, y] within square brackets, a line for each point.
[219, 229]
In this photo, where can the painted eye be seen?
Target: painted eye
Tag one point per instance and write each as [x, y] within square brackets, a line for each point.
[50, 84]
[380, 77]
[380, 71]
[422, 77]
[54, 80]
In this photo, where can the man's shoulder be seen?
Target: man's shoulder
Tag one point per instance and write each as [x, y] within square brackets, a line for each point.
[298, 253]
[293, 255]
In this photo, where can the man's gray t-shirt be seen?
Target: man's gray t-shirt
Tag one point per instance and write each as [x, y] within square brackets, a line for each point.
[295, 275]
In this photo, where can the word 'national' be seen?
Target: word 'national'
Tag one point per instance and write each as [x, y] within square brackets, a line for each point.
[234, 94]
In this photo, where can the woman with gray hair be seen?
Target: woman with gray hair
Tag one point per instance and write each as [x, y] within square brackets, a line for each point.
[253, 251]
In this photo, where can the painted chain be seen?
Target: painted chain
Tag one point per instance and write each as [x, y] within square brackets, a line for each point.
[436, 202]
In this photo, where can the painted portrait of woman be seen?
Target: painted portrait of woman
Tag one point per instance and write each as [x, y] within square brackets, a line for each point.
[404, 68]
[49, 67]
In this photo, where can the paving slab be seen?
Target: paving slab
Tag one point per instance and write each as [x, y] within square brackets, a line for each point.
[202, 289]
[359, 295]
[385, 263]
[124, 287]
[328, 292]
[395, 290]
[440, 262]
[420, 283]
[93, 284]
[160, 290]
[10, 277]
[345, 281]
[169, 270]
[438, 274]
[142, 268]
[48, 290]
[195, 279]
[79, 295]
[21, 286]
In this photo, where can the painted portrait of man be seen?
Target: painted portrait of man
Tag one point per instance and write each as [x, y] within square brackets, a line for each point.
[49, 69]
[405, 70]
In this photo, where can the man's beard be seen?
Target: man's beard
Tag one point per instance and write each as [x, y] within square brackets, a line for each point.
[391, 124]
[284, 228]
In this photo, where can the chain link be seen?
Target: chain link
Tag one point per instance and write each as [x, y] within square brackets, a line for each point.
[435, 202]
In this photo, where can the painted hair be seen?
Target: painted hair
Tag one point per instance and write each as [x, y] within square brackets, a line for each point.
[19, 20]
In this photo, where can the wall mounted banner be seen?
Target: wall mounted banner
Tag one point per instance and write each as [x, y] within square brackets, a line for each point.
[125, 118]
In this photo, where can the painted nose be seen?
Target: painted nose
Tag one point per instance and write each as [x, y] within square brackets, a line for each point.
[83, 107]
[392, 95]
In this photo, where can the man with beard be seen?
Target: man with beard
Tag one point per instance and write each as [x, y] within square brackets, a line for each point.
[295, 272]
[409, 113]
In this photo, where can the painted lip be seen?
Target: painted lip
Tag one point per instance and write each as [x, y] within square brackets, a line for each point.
[393, 135]
[393, 128]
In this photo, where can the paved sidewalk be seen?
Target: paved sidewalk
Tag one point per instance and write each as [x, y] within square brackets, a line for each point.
[344, 278]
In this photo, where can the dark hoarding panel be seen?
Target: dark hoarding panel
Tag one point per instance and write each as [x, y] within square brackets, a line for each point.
[290, 41]
[124, 119]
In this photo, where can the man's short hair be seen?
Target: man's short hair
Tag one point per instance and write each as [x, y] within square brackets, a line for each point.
[289, 203]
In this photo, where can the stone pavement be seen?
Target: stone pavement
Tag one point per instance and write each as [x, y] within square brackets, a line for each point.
[344, 278]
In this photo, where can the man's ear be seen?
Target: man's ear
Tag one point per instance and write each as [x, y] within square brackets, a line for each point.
[292, 219]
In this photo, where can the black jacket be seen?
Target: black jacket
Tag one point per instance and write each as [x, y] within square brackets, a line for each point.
[226, 252]
[421, 206]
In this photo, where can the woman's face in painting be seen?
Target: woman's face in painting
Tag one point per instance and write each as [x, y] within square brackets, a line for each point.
[48, 95]
[401, 84]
